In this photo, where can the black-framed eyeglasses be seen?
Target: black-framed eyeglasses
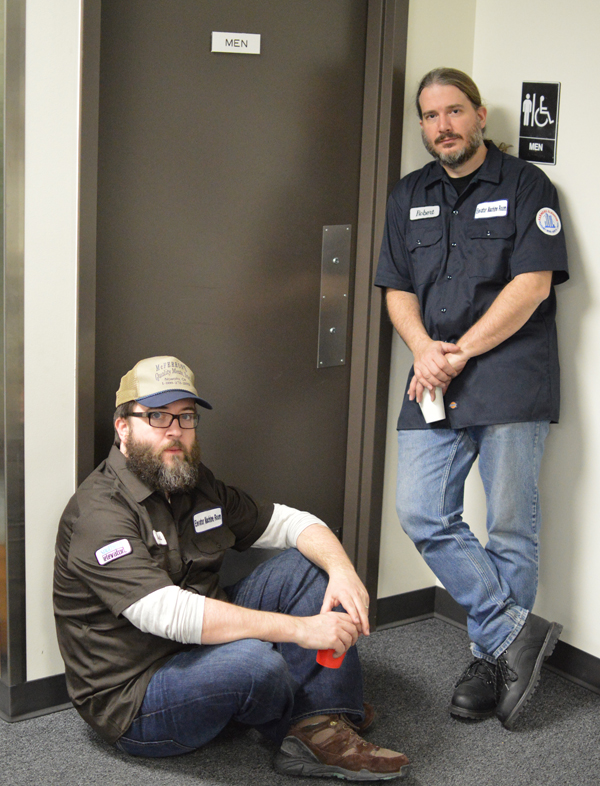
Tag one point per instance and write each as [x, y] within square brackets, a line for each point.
[159, 419]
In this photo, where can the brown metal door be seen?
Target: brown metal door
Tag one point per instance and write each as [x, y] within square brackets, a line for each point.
[217, 173]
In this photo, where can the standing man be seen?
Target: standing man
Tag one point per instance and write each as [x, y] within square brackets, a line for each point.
[471, 250]
[158, 657]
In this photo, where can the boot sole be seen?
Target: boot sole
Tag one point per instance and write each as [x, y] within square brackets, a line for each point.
[461, 712]
[297, 759]
[547, 649]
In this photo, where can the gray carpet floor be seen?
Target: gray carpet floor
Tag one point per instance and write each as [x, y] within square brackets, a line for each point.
[409, 675]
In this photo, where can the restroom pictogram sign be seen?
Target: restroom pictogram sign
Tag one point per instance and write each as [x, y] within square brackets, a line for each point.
[538, 130]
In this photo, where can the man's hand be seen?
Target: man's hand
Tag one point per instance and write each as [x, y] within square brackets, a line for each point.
[347, 590]
[458, 360]
[432, 368]
[320, 545]
[330, 631]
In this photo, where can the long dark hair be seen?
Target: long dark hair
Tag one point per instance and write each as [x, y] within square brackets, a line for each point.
[450, 76]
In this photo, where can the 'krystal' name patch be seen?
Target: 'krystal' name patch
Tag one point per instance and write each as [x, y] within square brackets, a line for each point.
[430, 211]
[492, 209]
[113, 551]
[208, 519]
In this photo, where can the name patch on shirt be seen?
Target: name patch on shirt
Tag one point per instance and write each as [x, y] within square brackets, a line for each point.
[113, 551]
[548, 221]
[492, 209]
[208, 519]
[424, 212]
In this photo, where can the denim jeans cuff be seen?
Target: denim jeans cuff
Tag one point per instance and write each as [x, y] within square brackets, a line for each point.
[330, 711]
[521, 617]
[477, 653]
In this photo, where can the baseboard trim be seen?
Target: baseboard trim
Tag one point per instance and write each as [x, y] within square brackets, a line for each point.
[569, 662]
[34, 698]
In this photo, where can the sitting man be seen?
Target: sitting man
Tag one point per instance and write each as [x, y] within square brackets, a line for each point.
[158, 657]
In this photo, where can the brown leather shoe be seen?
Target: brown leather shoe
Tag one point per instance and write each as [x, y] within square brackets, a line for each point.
[325, 746]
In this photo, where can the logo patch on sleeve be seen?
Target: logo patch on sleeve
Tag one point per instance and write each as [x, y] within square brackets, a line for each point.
[548, 221]
[492, 209]
[430, 211]
[159, 538]
[113, 551]
[208, 519]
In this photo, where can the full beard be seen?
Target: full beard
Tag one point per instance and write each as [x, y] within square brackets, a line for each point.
[180, 475]
[458, 157]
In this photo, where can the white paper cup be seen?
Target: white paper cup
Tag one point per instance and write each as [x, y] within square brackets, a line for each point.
[432, 410]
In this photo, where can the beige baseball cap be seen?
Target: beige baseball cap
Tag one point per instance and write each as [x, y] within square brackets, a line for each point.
[158, 381]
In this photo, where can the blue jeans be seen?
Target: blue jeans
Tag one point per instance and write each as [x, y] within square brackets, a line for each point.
[497, 584]
[198, 691]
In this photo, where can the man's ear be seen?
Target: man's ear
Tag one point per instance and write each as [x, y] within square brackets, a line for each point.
[122, 429]
[482, 115]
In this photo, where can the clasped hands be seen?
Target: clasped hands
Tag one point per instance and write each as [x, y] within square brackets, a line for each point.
[436, 364]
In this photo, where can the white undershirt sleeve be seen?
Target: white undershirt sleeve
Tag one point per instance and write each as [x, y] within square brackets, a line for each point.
[285, 526]
[170, 612]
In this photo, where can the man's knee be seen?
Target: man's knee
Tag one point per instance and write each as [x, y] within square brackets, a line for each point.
[264, 672]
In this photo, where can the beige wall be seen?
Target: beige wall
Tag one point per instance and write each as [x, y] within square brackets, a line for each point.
[538, 42]
[51, 212]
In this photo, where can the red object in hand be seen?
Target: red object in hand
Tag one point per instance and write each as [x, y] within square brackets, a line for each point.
[325, 658]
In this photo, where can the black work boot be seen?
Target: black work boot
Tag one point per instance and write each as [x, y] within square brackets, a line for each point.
[518, 668]
[475, 692]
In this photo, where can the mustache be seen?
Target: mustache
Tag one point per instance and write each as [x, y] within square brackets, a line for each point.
[444, 137]
[174, 443]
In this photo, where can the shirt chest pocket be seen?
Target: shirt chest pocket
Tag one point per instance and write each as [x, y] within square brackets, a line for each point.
[214, 541]
[424, 243]
[490, 244]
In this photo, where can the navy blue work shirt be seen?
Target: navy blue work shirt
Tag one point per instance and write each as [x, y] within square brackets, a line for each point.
[456, 253]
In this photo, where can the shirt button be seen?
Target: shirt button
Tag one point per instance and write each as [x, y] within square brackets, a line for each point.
[489, 233]
[455, 212]
[443, 310]
[449, 278]
[418, 242]
[453, 245]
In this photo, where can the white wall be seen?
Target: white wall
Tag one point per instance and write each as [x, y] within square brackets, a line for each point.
[550, 42]
[51, 212]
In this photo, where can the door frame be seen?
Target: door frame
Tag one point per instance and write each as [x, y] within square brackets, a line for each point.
[383, 105]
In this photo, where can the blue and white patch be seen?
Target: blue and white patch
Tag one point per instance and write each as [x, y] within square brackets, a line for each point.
[548, 221]
[430, 211]
[492, 209]
[113, 551]
[159, 538]
[208, 519]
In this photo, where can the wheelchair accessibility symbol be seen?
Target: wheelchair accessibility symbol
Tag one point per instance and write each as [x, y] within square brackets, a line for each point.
[540, 115]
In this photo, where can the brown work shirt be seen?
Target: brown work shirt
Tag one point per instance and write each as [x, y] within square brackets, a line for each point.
[117, 542]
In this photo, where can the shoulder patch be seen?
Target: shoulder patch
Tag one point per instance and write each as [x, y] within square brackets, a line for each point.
[113, 551]
[548, 221]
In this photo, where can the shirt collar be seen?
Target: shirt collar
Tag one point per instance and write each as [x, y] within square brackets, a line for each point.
[118, 463]
[490, 169]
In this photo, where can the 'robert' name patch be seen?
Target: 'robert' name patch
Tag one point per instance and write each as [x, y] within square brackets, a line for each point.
[430, 211]
[113, 551]
[208, 519]
[492, 209]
